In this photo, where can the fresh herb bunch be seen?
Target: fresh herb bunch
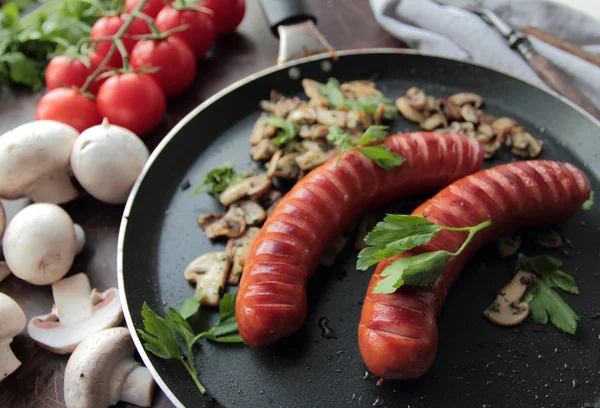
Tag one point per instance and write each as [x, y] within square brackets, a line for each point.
[28, 42]
[399, 233]
[218, 179]
[378, 153]
[161, 334]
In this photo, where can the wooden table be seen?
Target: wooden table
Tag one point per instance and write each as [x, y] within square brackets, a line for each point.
[39, 380]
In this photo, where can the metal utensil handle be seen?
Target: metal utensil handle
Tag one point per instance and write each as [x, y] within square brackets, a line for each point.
[285, 12]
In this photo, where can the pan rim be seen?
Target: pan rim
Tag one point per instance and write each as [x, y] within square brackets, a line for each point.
[213, 98]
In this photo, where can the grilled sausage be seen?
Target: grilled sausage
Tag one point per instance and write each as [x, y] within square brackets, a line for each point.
[397, 334]
[271, 301]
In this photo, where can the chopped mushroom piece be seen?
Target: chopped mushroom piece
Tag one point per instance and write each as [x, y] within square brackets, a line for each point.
[285, 106]
[272, 165]
[507, 309]
[312, 90]
[466, 97]
[408, 111]
[314, 155]
[78, 312]
[254, 214]
[334, 249]
[434, 121]
[12, 323]
[469, 113]
[502, 125]
[204, 220]
[359, 89]
[252, 187]
[416, 98]
[102, 371]
[313, 131]
[450, 109]
[262, 130]
[263, 150]
[208, 272]
[40, 243]
[303, 115]
[508, 245]
[232, 225]
[287, 167]
[238, 250]
[358, 120]
[331, 117]
[525, 145]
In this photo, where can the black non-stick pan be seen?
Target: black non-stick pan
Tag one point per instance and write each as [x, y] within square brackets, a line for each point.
[478, 364]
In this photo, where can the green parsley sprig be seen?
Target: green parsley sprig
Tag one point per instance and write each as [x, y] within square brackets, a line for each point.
[288, 130]
[378, 153]
[218, 179]
[589, 203]
[399, 233]
[161, 334]
[544, 302]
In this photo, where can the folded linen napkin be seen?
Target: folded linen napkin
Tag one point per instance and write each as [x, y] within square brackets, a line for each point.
[452, 32]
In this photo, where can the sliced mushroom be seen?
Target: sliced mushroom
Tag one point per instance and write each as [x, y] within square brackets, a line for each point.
[450, 109]
[502, 125]
[252, 187]
[263, 150]
[303, 115]
[208, 272]
[232, 225]
[525, 145]
[507, 309]
[238, 250]
[408, 111]
[262, 130]
[469, 113]
[431, 104]
[466, 97]
[287, 167]
[486, 129]
[204, 220]
[358, 120]
[270, 197]
[491, 148]
[254, 214]
[434, 121]
[359, 89]
[272, 165]
[365, 225]
[333, 250]
[508, 245]
[416, 97]
[285, 106]
[314, 155]
[312, 90]
[313, 131]
[546, 237]
[331, 117]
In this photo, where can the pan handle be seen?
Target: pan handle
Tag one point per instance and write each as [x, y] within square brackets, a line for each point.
[295, 25]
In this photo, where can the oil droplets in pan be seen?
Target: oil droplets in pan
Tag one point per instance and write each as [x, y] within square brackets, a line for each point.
[294, 73]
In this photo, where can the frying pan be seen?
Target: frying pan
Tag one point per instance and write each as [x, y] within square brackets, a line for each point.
[478, 364]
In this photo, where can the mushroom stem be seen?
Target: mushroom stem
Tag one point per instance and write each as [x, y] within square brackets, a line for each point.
[72, 298]
[80, 237]
[138, 387]
[8, 361]
[55, 189]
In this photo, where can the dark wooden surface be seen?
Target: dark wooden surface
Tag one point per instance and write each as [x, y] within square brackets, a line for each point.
[38, 382]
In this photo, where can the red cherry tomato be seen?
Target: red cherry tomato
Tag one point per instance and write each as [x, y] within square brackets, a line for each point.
[133, 101]
[65, 72]
[174, 58]
[108, 26]
[68, 106]
[200, 34]
[228, 14]
[151, 8]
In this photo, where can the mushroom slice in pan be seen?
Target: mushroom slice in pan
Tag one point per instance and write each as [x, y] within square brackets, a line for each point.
[331, 117]
[238, 250]
[365, 225]
[469, 113]
[270, 197]
[416, 97]
[262, 129]
[287, 167]
[263, 150]
[485, 129]
[209, 273]
[450, 109]
[434, 121]
[508, 245]
[507, 309]
[232, 225]
[334, 249]
[408, 111]
[285, 106]
[359, 89]
[252, 187]
[313, 131]
[254, 214]
[466, 97]
[204, 220]
[502, 125]
[490, 148]
[314, 155]
[358, 120]
[525, 145]
[272, 165]
[303, 115]
[312, 90]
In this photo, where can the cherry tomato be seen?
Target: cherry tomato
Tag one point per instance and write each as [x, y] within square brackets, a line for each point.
[133, 101]
[228, 14]
[200, 34]
[151, 8]
[174, 58]
[68, 106]
[63, 71]
[108, 26]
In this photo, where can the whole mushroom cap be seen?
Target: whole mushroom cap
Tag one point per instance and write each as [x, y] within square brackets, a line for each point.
[106, 160]
[40, 243]
[31, 152]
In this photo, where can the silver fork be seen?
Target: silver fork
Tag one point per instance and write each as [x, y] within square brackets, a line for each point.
[518, 41]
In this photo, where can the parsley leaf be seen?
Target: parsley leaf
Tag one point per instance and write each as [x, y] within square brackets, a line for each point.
[288, 130]
[218, 179]
[160, 338]
[369, 104]
[331, 90]
[382, 156]
[190, 306]
[419, 271]
[373, 133]
[589, 203]
[549, 269]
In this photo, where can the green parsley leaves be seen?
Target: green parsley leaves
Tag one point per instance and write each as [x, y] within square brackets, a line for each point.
[589, 203]
[288, 131]
[161, 335]
[378, 153]
[218, 179]
[399, 233]
[544, 302]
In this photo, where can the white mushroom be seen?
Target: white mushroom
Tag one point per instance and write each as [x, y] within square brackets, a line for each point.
[40, 243]
[314, 155]
[106, 160]
[102, 371]
[312, 90]
[331, 117]
[408, 111]
[2, 220]
[252, 187]
[238, 250]
[4, 271]
[254, 214]
[507, 309]
[232, 225]
[434, 121]
[262, 130]
[263, 150]
[466, 97]
[78, 312]
[12, 322]
[208, 272]
[35, 162]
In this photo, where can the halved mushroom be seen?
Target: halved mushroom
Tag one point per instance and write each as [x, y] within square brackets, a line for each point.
[469, 113]
[450, 109]
[507, 309]
[365, 225]
[408, 111]
[434, 121]
[12, 323]
[262, 129]
[331, 117]
[232, 225]
[263, 150]
[78, 312]
[314, 155]
[303, 115]
[238, 250]
[312, 90]
[359, 89]
[208, 272]
[252, 187]
[333, 250]
[508, 245]
[466, 97]
[285, 105]
[313, 131]
[254, 214]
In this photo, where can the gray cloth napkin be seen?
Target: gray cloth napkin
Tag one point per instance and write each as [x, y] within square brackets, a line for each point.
[452, 32]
